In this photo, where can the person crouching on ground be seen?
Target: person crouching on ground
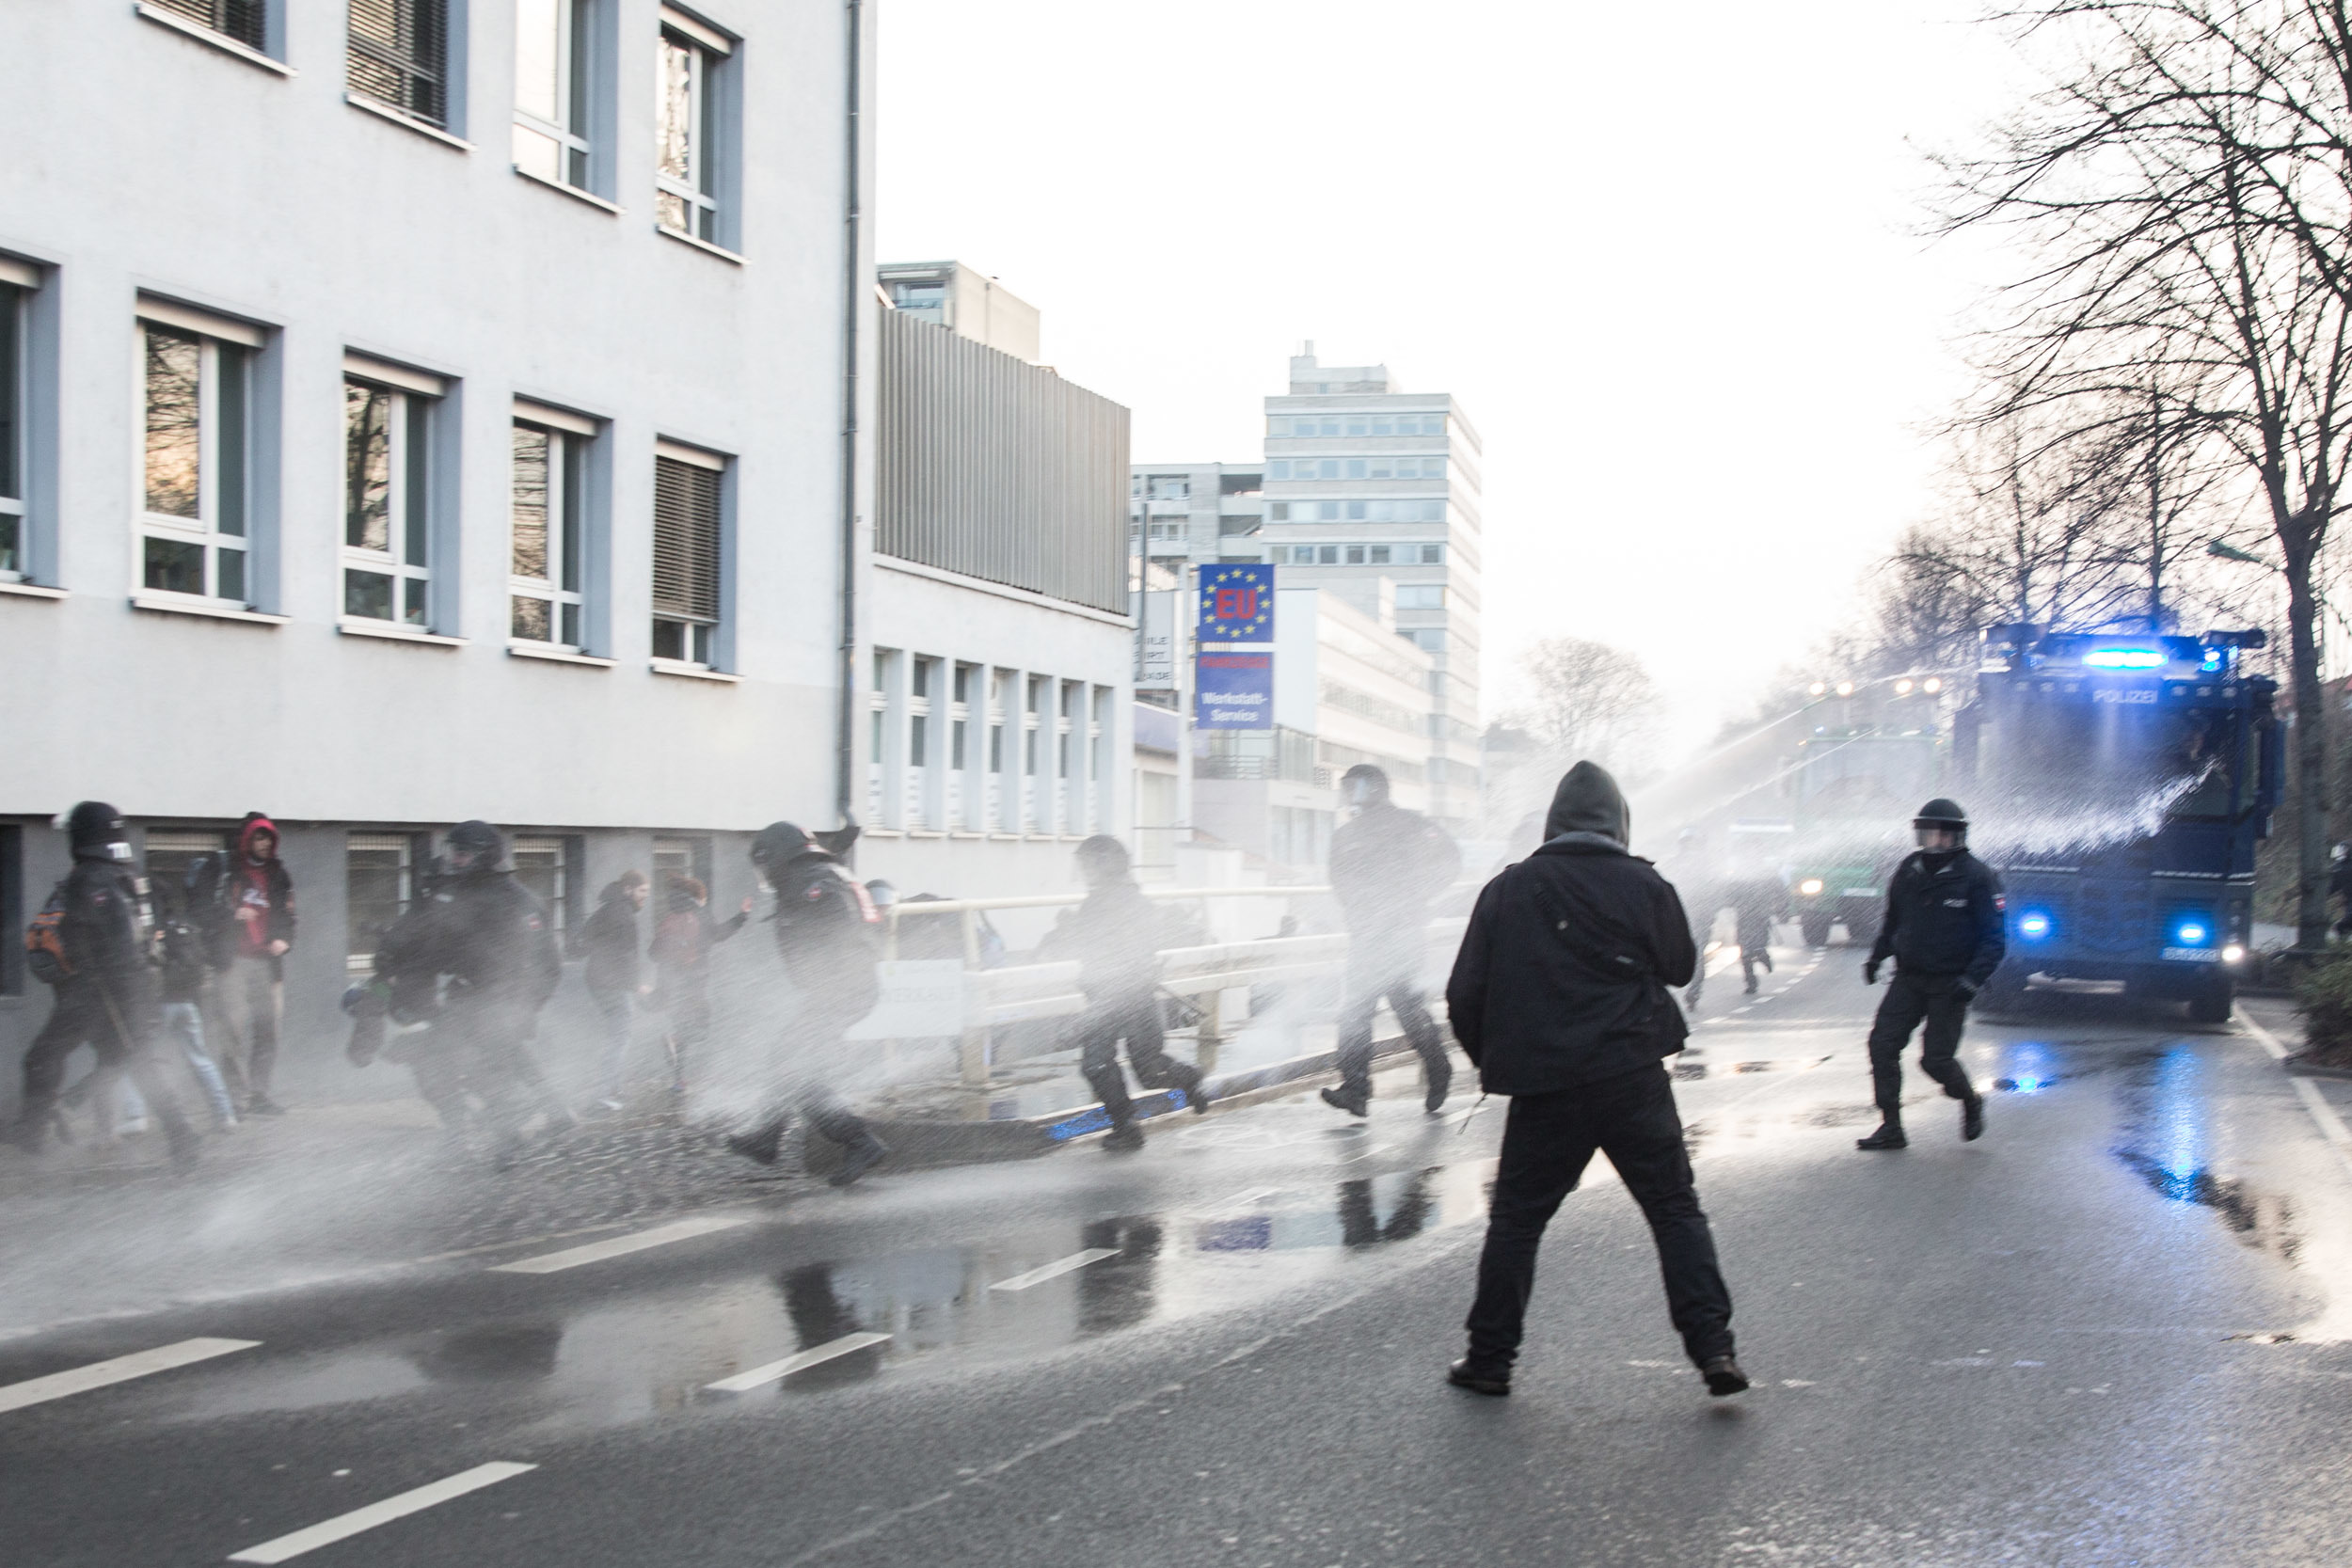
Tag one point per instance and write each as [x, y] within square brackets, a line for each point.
[1559, 998]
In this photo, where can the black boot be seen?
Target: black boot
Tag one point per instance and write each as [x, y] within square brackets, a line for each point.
[1972, 1118]
[1724, 1376]
[1353, 1104]
[1124, 1138]
[864, 1153]
[1466, 1374]
[1197, 1093]
[1439, 1084]
[1889, 1135]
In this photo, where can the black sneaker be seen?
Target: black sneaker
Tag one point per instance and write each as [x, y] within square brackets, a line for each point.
[1197, 1096]
[759, 1147]
[263, 1106]
[1355, 1105]
[1972, 1118]
[1124, 1139]
[1724, 1376]
[859, 1158]
[1466, 1374]
[1433, 1098]
[1887, 1137]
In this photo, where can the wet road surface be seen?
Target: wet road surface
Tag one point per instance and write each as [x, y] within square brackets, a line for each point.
[2107, 1333]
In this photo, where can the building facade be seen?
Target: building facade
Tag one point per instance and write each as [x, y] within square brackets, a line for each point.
[441, 416]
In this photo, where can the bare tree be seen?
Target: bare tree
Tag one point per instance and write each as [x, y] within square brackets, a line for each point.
[2184, 188]
[1590, 700]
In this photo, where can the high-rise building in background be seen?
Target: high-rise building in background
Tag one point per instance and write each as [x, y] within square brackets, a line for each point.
[1362, 484]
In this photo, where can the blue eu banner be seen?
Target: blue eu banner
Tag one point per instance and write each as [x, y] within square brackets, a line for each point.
[1232, 691]
[1237, 604]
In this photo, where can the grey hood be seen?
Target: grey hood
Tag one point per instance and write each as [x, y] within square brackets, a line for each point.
[1589, 802]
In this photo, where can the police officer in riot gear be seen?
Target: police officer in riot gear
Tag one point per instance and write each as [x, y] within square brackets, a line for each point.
[94, 944]
[478, 960]
[824, 927]
[1387, 864]
[1945, 931]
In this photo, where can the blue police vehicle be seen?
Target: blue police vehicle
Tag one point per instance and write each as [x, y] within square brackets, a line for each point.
[2122, 783]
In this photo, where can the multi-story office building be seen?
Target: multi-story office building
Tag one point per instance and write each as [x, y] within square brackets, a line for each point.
[966, 301]
[1180, 513]
[429, 422]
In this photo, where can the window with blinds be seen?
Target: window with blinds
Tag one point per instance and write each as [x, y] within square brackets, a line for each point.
[246, 21]
[399, 56]
[687, 499]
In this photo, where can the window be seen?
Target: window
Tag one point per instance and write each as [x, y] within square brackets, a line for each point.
[688, 496]
[1296, 426]
[959, 745]
[877, 706]
[1431, 638]
[193, 500]
[1171, 487]
[680, 856]
[1000, 703]
[1433, 555]
[543, 867]
[1379, 555]
[387, 495]
[379, 881]
[923, 678]
[245, 21]
[689, 125]
[398, 56]
[551, 93]
[1355, 467]
[13, 541]
[545, 598]
[1421, 596]
[926, 301]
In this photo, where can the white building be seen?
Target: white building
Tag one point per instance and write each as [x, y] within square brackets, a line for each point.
[412, 414]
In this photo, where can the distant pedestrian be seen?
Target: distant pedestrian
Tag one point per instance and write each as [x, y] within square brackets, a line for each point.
[681, 962]
[2339, 884]
[1559, 998]
[260, 899]
[825, 936]
[1758, 899]
[1945, 928]
[1116, 936]
[185, 959]
[615, 976]
[92, 943]
[1387, 864]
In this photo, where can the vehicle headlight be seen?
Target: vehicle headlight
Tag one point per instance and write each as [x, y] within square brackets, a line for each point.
[2234, 954]
[1810, 887]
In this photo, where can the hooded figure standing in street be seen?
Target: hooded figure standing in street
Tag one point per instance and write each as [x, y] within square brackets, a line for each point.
[482, 933]
[1559, 997]
[1946, 929]
[824, 927]
[261, 908]
[1115, 935]
[1387, 864]
[94, 941]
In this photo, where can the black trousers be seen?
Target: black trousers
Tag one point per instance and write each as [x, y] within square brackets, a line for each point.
[1384, 963]
[1909, 999]
[1133, 1017]
[86, 1015]
[1547, 1143]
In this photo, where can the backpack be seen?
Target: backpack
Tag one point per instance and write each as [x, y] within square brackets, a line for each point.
[44, 942]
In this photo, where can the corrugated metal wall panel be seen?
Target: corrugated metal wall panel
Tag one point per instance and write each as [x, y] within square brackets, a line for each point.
[998, 470]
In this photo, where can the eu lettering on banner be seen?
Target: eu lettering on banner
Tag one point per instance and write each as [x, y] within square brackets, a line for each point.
[1237, 604]
[1232, 691]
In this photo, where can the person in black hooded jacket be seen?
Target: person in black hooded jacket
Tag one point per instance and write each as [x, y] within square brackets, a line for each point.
[1558, 996]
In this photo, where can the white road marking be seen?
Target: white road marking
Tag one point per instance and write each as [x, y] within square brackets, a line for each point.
[1244, 1199]
[121, 1368]
[621, 1246]
[832, 1349]
[2330, 1125]
[358, 1519]
[1056, 1269]
[1367, 1153]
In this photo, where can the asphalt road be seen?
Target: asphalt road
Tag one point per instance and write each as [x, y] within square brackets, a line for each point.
[2104, 1334]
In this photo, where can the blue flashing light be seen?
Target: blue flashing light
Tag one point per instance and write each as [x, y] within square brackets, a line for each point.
[2213, 658]
[2125, 658]
[2192, 933]
[2033, 924]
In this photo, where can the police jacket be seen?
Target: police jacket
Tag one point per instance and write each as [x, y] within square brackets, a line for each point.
[1562, 975]
[1115, 935]
[1944, 916]
[105, 932]
[824, 930]
[1387, 864]
[482, 931]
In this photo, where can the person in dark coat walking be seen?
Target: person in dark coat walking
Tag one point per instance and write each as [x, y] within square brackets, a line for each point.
[1115, 935]
[615, 975]
[1387, 864]
[1945, 928]
[1756, 899]
[94, 945]
[1559, 997]
[824, 933]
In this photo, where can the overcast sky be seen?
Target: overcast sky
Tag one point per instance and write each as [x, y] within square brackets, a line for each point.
[1665, 256]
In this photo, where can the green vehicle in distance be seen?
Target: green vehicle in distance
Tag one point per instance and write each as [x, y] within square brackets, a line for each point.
[1856, 788]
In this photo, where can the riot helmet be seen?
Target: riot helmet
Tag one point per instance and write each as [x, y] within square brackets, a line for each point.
[1937, 818]
[1101, 859]
[777, 843]
[1364, 786]
[475, 846]
[98, 833]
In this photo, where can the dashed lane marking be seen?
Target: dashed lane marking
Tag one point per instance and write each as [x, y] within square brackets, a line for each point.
[832, 1350]
[1367, 1153]
[1056, 1269]
[122, 1369]
[1243, 1200]
[346, 1524]
[621, 1246]
[2330, 1125]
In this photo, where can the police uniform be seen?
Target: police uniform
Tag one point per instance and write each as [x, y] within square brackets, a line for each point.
[1945, 931]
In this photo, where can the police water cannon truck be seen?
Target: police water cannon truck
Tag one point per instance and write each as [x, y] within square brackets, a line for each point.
[2122, 783]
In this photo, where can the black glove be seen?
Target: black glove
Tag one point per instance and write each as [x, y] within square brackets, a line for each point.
[1869, 972]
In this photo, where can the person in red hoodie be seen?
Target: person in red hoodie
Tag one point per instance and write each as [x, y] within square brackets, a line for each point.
[261, 908]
